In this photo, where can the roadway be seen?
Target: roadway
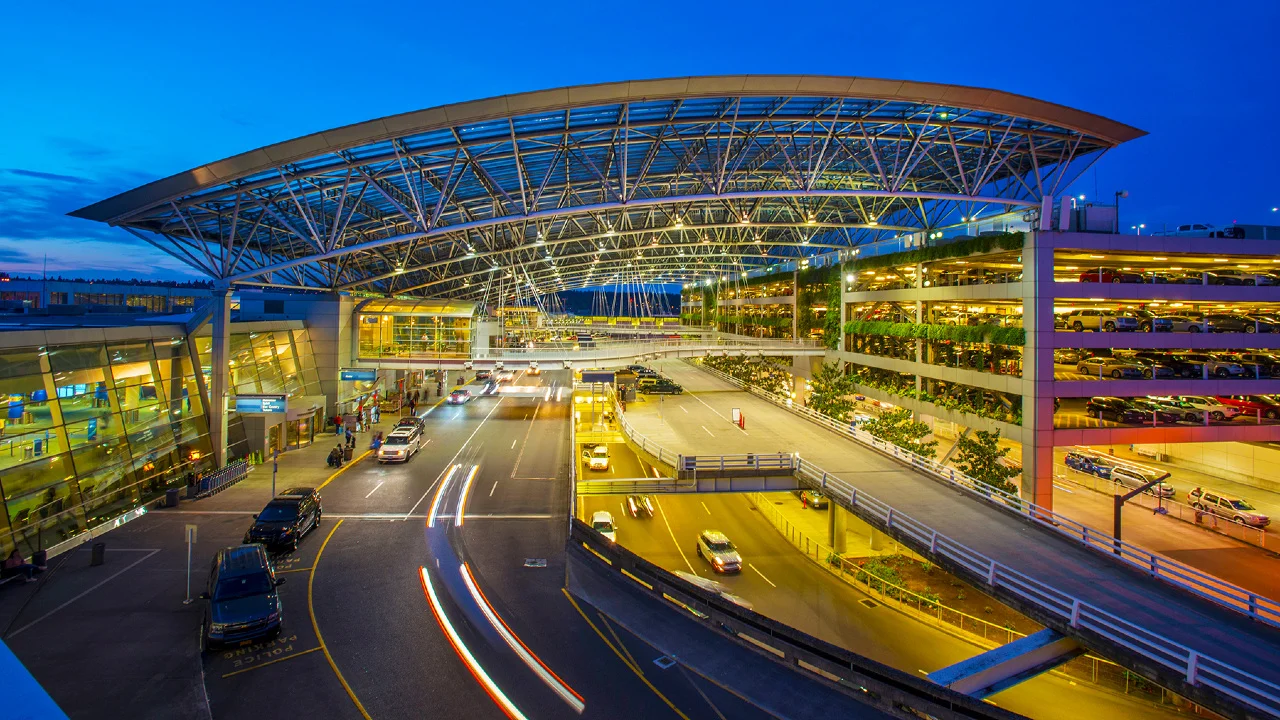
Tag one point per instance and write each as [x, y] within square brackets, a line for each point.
[697, 423]
[782, 584]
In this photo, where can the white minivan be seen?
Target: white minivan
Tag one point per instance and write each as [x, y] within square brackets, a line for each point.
[402, 444]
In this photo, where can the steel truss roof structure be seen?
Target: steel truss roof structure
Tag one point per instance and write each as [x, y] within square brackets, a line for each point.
[660, 181]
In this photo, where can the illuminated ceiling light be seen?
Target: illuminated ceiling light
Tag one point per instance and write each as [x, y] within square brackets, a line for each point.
[848, 278]
[1097, 257]
[399, 269]
[811, 220]
[679, 223]
[705, 240]
[744, 274]
[873, 222]
[944, 116]
[745, 220]
[610, 232]
[1159, 258]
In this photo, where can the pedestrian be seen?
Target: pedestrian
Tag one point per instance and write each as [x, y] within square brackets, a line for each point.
[413, 405]
[351, 438]
[16, 565]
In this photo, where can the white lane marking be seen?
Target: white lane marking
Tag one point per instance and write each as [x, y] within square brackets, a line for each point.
[704, 429]
[495, 487]
[753, 567]
[686, 412]
[1066, 490]
[513, 443]
[695, 397]
[704, 507]
[661, 512]
[375, 489]
[455, 457]
[104, 581]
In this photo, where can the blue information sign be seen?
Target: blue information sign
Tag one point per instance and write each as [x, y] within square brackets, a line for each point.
[261, 404]
[597, 376]
[358, 374]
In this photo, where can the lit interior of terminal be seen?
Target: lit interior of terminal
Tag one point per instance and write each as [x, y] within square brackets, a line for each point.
[865, 404]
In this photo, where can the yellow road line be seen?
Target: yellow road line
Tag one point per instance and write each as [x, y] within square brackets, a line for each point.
[604, 621]
[622, 657]
[271, 662]
[316, 626]
[345, 468]
[305, 569]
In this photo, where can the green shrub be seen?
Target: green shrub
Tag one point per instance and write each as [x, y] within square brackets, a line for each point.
[960, 248]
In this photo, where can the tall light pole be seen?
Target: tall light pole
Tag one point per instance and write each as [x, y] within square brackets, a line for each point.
[1138, 227]
[1119, 194]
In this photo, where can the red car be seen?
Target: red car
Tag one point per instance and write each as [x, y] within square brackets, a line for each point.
[1109, 275]
[1254, 404]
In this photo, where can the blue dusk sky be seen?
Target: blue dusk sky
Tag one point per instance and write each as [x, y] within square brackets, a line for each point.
[97, 98]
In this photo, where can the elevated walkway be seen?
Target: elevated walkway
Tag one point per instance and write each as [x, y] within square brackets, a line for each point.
[1195, 645]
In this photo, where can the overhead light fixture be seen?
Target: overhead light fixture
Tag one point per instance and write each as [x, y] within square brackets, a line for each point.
[399, 269]
[679, 222]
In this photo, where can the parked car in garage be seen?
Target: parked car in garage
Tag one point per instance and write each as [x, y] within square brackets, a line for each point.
[1110, 275]
[1113, 408]
[1184, 323]
[1105, 320]
[1265, 405]
[1216, 367]
[1217, 409]
[1181, 368]
[1155, 412]
[1151, 322]
[1108, 367]
[1152, 368]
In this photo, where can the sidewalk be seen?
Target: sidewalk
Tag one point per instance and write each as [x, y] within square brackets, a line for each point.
[861, 540]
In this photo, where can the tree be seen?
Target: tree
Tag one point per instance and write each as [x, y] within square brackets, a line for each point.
[897, 427]
[979, 458]
[831, 321]
[831, 390]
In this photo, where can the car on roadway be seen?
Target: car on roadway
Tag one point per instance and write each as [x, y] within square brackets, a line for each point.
[715, 547]
[1113, 408]
[639, 506]
[712, 587]
[461, 396]
[602, 522]
[241, 604]
[1265, 405]
[409, 421]
[533, 368]
[596, 458]
[400, 445]
[1217, 409]
[1104, 320]
[1134, 478]
[1109, 367]
[289, 516]
[483, 375]
[813, 499]
[1089, 464]
[504, 376]
[1235, 509]
[662, 386]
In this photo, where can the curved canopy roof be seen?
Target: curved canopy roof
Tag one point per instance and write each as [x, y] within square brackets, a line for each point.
[657, 180]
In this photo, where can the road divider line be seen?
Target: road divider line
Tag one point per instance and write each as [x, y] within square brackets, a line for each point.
[689, 678]
[495, 487]
[686, 412]
[300, 653]
[532, 661]
[704, 429]
[345, 468]
[623, 658]
[375, 489]
[513, 443]
[704, 507]
[704, 402]
[455, 457]
[762, 577]
[605, 621]
[679, 549]
[311, 579]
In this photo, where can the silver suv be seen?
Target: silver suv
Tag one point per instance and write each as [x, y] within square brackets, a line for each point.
[1105, 320]
[715, 548]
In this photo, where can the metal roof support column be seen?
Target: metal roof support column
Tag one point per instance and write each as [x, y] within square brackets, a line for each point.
[220, 373]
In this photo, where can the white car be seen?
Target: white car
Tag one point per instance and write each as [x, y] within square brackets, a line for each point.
[533, 368]
[715, 548]
[1217, 409]
[400, 445]
[602, 522]
[597, 458]
[712, 586]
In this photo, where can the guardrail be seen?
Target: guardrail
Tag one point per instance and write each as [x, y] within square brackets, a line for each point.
[601, 350]
[1085, 668]
[895, 692]
[1206, 677]
[1181, 575]
[748, 461]
[215, 482]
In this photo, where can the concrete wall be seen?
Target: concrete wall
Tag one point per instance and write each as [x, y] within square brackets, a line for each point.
[1257, 465]
[329, 325]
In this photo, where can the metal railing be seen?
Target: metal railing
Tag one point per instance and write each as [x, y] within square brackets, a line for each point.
[607, 349]
[215, 482]
[1198, 669]
[1181, 575]
[748, 461]
[1088, 668]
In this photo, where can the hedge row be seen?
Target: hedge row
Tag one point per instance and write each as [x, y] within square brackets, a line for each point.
[960, 248]
[993, 334]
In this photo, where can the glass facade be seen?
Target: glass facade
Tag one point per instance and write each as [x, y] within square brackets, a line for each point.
[266, 362]
[407, 328]
[89, 431]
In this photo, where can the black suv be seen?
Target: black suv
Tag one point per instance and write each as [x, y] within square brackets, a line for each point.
[241, 603]
[1113, 408]
[409, 421]
[290, 515]
[662, 387]
[1181, 368]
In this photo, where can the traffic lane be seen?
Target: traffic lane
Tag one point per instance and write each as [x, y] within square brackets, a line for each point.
[501, 486]
[372, 487]
[819, 603]
[379, 628]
